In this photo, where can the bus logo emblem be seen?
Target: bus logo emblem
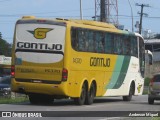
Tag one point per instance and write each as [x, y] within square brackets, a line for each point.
[40, 33]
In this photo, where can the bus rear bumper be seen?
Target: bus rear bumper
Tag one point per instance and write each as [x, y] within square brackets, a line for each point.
[39, 88]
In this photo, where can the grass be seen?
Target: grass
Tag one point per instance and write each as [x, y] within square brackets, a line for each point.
[146, 83]
[13, 100]
[145, 92]
[156, 118]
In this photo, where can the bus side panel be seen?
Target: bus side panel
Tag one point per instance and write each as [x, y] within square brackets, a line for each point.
[98, 67]
[130, 74]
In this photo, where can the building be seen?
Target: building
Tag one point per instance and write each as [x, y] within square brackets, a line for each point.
[154, 46]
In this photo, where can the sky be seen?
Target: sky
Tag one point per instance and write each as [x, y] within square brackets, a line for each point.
[12, 10]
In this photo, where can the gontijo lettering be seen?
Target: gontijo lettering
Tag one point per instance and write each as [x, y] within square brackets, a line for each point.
[101, 62]
[40, 46]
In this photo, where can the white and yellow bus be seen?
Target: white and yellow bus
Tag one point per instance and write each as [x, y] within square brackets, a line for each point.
[76, 59]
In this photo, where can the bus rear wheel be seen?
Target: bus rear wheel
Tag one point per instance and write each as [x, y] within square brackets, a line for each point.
[90, 95]
[129, 97]
[80, 100]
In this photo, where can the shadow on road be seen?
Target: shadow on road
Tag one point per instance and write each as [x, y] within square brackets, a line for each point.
[97, 100]
[70, 102]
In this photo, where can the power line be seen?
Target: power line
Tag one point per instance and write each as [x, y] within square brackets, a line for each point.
[39, 13]
[126, 16]
[4, 0]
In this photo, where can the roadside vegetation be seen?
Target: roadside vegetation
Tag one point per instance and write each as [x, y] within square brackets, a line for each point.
[5, 47]
[146, 84]
[146, 81]
[9, 100]
[156, 118]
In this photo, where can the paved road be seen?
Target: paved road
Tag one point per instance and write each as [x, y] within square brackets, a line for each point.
[115, 104]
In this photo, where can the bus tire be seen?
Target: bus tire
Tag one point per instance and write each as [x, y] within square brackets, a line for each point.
[131, 91]
[90, 94]
[80, 100]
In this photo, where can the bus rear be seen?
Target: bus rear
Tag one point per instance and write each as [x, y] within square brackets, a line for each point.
[38, 57]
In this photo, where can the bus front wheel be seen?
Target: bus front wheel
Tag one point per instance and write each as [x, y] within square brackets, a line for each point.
[80, 100]
[129, 97]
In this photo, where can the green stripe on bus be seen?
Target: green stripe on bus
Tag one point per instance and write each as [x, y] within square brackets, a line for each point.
[116, 72]
[123, 72]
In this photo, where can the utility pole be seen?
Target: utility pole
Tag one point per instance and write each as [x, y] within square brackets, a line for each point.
[141, 15]
[81, 14]
[108, 11]
[103, 11]
[131, 14]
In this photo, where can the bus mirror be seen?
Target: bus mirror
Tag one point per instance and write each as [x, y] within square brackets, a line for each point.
[149, 57]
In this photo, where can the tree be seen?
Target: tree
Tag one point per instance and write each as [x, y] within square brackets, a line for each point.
[5, 47]
[0, 35]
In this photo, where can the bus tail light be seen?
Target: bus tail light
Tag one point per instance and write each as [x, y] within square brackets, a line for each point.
[12, 70]
[64, 74]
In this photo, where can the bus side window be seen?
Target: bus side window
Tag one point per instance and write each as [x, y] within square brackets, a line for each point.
[74, 38]
[129, 46]
[100, 43]
[141, 56]
[116, 44]
[108, 43]
[134, 47]
[103, 43]
[86, 41]
[126, 46]
[97, 39]
[91, 41]
[81, 41]
[119, 45]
